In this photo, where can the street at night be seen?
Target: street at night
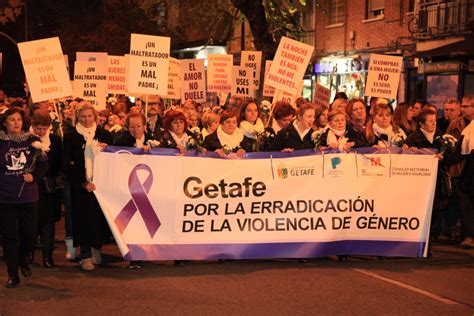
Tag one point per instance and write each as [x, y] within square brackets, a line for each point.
[440, 285]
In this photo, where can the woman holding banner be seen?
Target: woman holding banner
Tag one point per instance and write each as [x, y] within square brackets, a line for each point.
[428, 136]
[403, 117]
[251, 124]
[297, 135]
[135, 135]
[358, 114]
[21, 165]
[176, 134]
[228, 138]
[80, 146]
[380, 132]
[340, 135]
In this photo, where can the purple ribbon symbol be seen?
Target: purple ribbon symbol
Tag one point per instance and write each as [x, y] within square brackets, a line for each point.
[139, 202]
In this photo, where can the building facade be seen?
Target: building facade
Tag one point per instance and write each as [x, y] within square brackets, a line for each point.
[433, 37]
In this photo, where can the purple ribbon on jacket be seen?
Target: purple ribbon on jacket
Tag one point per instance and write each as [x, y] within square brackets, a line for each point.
[139, 202]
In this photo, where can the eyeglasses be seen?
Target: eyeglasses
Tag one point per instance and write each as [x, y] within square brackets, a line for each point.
[466, 106]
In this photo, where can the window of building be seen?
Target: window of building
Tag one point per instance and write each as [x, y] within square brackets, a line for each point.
[375, 9]
[337, 11]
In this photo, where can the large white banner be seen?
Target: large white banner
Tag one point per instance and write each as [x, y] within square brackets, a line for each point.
[45, 69]
[179, 207]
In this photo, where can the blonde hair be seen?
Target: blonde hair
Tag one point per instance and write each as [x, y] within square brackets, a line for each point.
[83, 106]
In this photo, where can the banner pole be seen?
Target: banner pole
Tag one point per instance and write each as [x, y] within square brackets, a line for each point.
[146, 105]
[56, 109]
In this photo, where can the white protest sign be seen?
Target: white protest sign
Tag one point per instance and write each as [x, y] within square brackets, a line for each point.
[66, 60]
[149, 64]
[174, 79]
[100, 57]
[219, 73]
[289, 65]
[45, 69]
[252, 60]
[281, 95]
[242, 82]
[384, 76]
[322, 95]
[117, 78]
[90, 82]
[193, 80]
[268, 91]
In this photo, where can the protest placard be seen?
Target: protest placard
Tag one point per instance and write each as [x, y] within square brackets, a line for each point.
[193, 80]
[281, 95]
[117, 78]
[100, 57]
[45, 69]
[252, 60]
[384, 76]
[219, 73]
[149, 64]
[289, 65]
[90, 82]
[174, 79]
[322, 95]
[268, 91]
[242, 82]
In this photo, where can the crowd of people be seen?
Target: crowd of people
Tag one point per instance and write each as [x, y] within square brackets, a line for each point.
[49, 150]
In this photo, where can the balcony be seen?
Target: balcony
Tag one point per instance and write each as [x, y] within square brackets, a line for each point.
[438, 20]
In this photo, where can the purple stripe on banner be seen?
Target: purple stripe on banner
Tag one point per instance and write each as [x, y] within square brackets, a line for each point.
[275, 250]
[274, 154]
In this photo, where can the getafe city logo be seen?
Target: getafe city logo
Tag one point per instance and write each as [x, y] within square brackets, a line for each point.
[299, 171]
[282, 171]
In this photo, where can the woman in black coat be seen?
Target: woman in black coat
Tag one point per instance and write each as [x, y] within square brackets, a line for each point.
[426, 136]
[341, 135]
[135, 134]
[228, 137]
[89, 224]
[49, 197]
[176, 133]
[297, 135]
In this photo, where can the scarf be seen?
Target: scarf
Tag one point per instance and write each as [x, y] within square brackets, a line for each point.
[467, 144]
[180, 141]
[250, 130]
[140, 142]
[230, 141]
[337, 137]
[45, 139]
[90, 149]
[429, 135]
[302, 133]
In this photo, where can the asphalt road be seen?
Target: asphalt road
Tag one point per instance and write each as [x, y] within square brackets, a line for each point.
[441, 285]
